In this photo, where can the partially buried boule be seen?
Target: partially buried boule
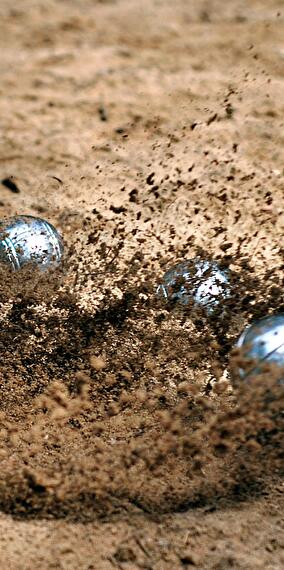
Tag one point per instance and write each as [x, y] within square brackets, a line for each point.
[29, 240]
[262, 343]
[198, 281]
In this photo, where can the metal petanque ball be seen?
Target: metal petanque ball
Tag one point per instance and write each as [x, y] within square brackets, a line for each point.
[262, 343]
[29, 240]
[200, 281]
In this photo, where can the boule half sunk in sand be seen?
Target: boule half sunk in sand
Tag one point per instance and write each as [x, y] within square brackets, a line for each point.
[262, 343]
[198, 280]
[29, 240]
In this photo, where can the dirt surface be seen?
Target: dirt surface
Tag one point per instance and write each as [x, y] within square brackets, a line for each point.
[147, 133]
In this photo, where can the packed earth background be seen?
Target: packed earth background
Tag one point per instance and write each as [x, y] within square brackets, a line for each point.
[147, 133]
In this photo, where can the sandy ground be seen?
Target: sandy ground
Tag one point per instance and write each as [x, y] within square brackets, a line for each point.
[164, 119]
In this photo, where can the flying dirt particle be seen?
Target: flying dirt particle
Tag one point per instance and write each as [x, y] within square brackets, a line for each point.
[150, 179]
[11, 185]
[97, 362]
[102, 113]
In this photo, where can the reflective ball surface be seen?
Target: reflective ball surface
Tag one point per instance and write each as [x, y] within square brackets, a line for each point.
[200, 281]
[261, 343]
[26, 239]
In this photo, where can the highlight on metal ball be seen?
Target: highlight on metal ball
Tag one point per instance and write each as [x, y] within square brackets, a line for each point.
[198, 280]
[262, 343]
[29, 240]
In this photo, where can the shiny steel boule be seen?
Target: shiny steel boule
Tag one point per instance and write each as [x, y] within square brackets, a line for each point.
[262, 343]
[29, 240]
[200, 281]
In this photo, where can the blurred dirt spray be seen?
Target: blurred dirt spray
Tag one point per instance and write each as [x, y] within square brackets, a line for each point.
[147, 133]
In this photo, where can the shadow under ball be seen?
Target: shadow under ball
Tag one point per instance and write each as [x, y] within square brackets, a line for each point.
[29, 240]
